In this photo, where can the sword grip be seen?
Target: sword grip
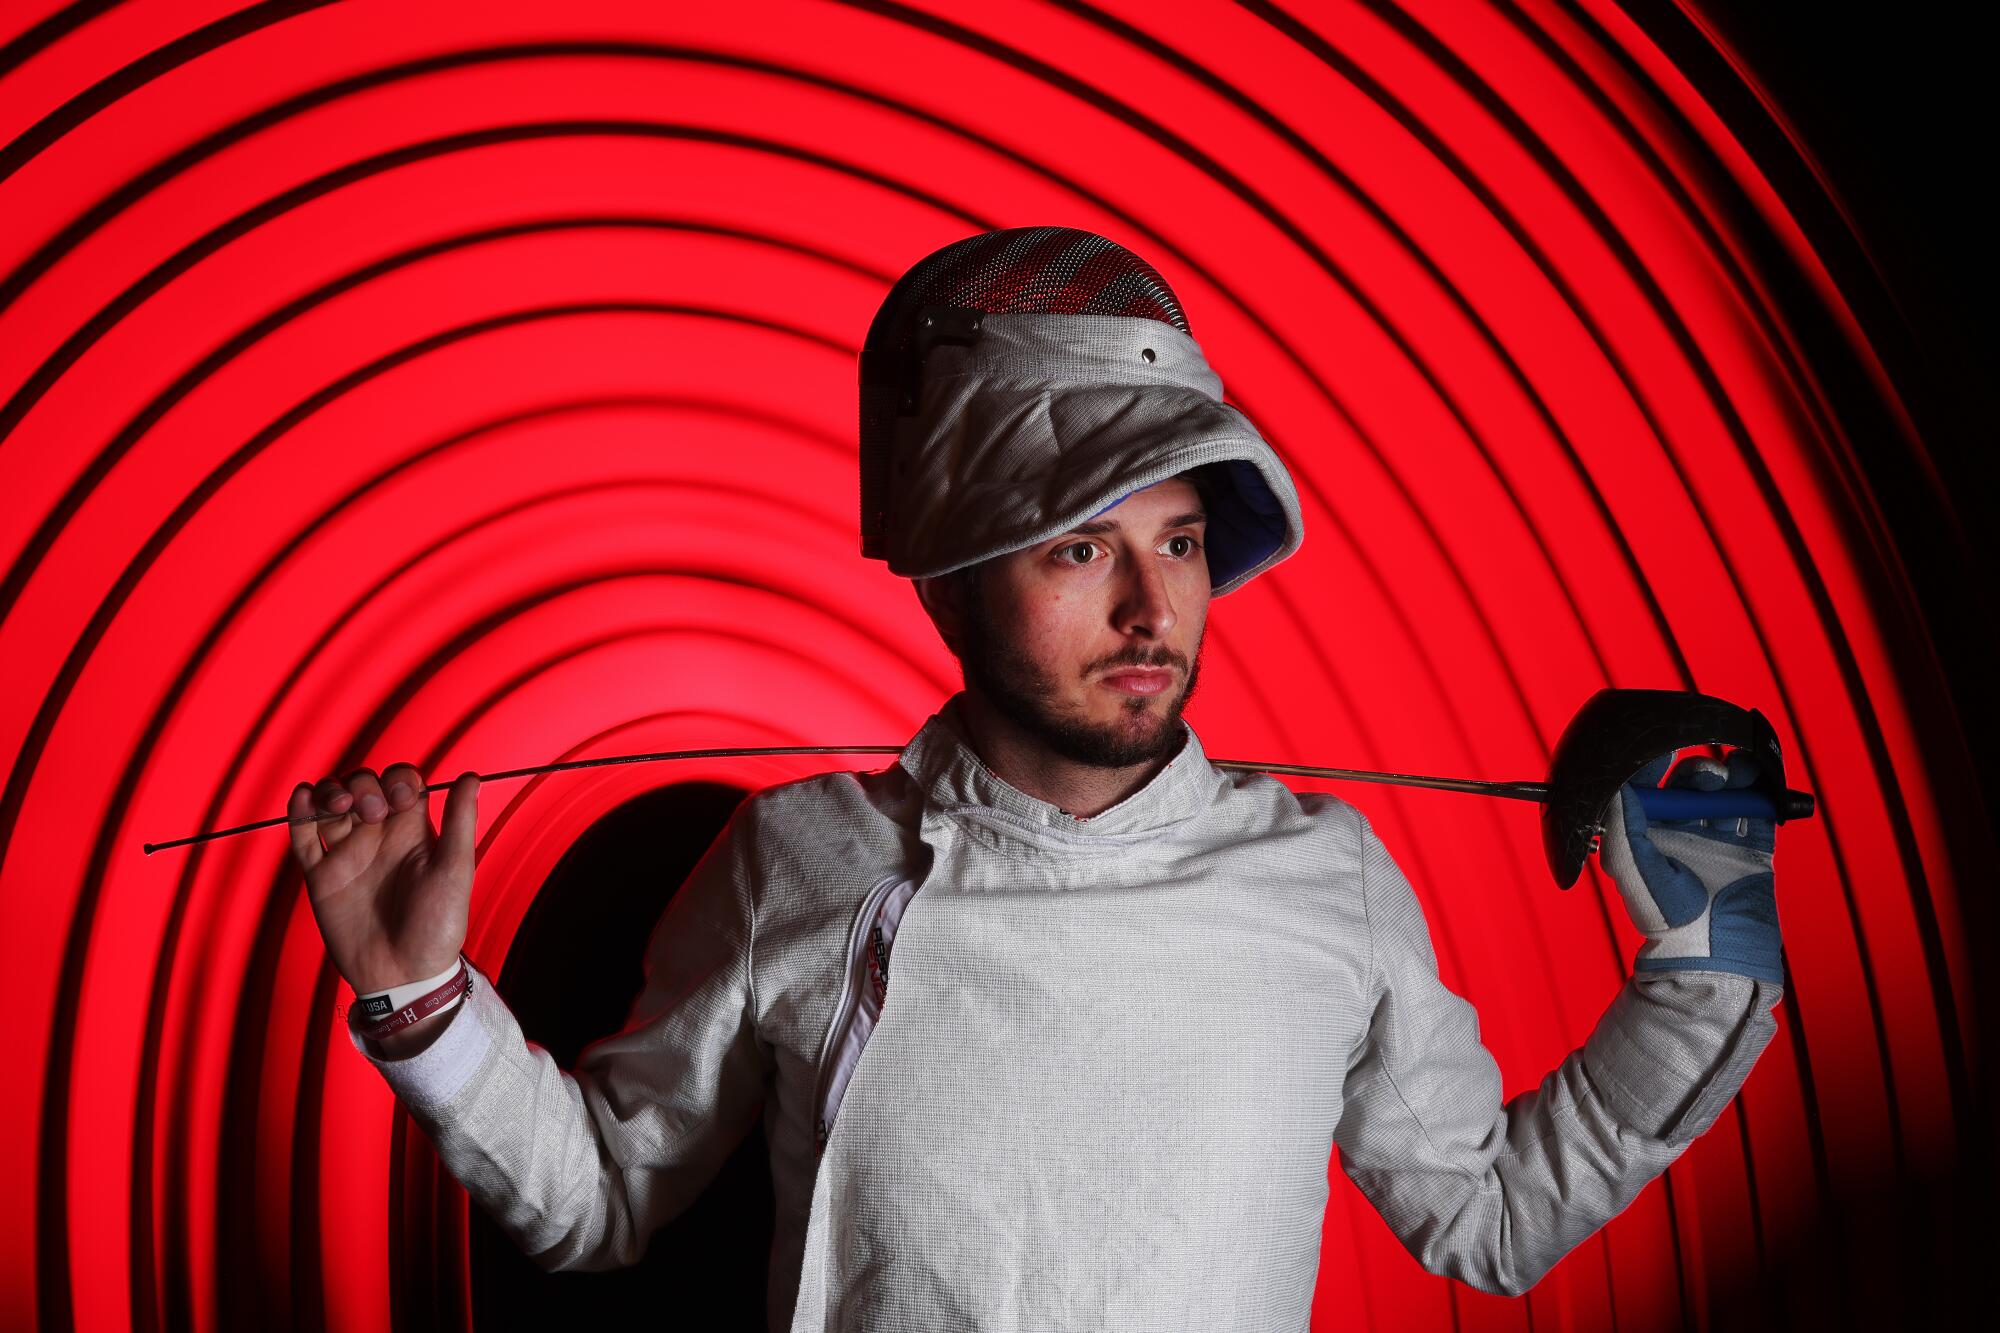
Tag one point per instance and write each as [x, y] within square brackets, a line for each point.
[1672, 803]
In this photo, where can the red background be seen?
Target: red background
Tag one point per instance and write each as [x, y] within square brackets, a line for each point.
[474, 385]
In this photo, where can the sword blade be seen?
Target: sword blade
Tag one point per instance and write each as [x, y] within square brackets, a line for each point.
[1519, 791]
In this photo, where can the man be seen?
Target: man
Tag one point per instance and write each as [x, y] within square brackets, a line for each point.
[1137, 1000]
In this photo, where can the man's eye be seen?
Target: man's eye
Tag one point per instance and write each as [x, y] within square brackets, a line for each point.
[1075, 546]
[1192, 544]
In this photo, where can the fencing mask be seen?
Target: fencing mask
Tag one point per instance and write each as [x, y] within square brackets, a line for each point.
[1017, 383]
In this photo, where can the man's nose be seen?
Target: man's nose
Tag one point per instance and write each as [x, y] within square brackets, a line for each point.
[1144, 606]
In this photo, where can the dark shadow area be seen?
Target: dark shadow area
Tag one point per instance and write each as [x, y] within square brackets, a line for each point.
[570, 979]
[1895, 109]
[1811, 1280]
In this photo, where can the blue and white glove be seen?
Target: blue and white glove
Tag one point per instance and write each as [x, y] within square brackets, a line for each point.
[1701, 891]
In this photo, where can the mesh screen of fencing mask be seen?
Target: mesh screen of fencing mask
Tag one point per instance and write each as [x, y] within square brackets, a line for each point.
[1019, 382]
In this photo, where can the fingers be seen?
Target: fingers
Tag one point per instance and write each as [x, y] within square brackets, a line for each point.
[359, 797]
[329, 796]
[1655, 769]
[1649, 776]
[369, 803]
[401, 785]
[1743, 769]
[1699, 772]
[456, 841]
[1677, 892]
[305, 836]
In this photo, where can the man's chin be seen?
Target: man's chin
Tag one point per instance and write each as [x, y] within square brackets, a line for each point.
[1141, 730]
[1104, 728]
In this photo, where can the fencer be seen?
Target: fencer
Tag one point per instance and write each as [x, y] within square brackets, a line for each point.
[1050, 1023]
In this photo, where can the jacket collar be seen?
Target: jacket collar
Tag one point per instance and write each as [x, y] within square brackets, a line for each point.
[954, 779]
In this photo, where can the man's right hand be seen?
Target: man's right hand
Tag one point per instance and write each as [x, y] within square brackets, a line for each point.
[390, 892]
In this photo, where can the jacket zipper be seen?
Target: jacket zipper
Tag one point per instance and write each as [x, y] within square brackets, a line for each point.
[849, 997]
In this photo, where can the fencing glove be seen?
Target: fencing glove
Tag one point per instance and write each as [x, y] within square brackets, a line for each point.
[1701, 891]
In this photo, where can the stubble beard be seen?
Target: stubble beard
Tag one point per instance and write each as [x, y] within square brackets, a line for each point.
[1026, 695]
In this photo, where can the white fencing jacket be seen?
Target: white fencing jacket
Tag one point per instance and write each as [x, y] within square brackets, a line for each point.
[1099, 1088]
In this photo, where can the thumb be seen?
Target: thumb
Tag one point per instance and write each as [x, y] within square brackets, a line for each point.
[461, 822]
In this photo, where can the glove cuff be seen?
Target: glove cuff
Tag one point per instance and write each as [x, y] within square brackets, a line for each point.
[1773, 972]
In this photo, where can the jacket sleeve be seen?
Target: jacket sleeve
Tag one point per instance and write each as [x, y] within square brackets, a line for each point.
[1495, 1194]
[581, 1168]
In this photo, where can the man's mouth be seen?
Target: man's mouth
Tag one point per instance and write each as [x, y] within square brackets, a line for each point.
[1139, 680]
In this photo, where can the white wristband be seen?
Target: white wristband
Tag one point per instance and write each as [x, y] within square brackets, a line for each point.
[380, 1004]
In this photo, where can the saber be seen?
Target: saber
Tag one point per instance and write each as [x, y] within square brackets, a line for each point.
[1612, 737]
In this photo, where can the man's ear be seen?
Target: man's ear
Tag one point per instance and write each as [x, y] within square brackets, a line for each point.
[943, 599]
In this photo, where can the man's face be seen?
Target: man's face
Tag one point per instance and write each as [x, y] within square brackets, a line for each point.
[1091, 641]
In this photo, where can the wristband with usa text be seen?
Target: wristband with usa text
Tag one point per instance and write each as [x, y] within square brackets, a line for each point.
[423, 1006]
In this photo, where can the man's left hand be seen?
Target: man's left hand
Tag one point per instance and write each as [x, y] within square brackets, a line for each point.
[1702, 891]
